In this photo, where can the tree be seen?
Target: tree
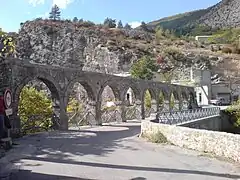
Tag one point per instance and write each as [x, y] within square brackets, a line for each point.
[168, 62]
[127, 26]
[55, 13]
[7, 45]
[34, 103]
[144, 26]
[110, 23]
[234, 111]
[75, 19]
[144, 68]
[80, 20]
[120, 25]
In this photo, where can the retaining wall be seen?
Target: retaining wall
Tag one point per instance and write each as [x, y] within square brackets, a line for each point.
[218, 143]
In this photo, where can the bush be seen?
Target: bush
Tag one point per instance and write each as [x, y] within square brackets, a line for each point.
[226, 50]
[147, 100]
[234, 110]
[35, 104]
[157, 138]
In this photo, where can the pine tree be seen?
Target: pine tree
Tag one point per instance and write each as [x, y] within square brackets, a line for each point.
[75, 19]
[127, 26]
[55, 13]
[120, 25]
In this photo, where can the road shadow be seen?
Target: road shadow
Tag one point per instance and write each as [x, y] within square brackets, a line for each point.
[28, 174]
[135, 168]
[96, 141]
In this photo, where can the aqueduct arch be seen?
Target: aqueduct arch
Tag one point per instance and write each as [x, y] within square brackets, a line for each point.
[60, 81]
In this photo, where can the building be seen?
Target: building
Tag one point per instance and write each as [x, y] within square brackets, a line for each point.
[202, 38]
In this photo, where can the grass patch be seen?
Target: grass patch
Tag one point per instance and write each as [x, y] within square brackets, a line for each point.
[158, 138]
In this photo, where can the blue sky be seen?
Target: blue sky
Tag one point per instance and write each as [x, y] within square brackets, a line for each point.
[13, 12]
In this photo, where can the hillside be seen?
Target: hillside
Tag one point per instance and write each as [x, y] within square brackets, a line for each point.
[225, 14]
[112, 50]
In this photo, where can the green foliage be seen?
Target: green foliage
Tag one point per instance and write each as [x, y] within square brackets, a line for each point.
[120, 25]
[144, 68]
[161, 98]
[156, 138]
[75, 19]
[7, 45]
[127, 26]
[226, 36]
[32, 103]
[55, 13]
[171, 103]
[234, 110]
[147, 100]
[110, 23]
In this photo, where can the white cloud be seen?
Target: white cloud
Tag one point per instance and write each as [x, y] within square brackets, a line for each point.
[134, 24]
[36, 2]
[60, 3]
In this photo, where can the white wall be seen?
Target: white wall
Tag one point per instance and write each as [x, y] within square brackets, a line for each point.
[204, 93]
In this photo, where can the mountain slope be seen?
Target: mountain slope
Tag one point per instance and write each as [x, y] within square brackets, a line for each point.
[225, 14]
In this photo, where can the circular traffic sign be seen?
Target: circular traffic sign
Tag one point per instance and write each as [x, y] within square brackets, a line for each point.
[7, 98]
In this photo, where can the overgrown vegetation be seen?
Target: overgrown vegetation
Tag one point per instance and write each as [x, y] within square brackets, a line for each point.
[7, 45]
[234, 110]
[35, 111]
[156, 138]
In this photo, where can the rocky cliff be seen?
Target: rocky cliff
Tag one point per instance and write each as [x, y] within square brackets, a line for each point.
[225, 14]
[63, 43]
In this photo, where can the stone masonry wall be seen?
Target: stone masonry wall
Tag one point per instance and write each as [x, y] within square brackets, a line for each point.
[218, 143]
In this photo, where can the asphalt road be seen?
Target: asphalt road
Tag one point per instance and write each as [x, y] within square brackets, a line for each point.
[110, 153]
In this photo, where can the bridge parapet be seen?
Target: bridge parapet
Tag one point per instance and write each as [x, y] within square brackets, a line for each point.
[184, 116]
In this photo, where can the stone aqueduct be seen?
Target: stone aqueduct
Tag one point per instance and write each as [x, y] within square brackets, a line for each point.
[15, 74]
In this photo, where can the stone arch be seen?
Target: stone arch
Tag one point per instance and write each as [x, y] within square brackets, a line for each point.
[86, 85]
[163, 99]
[114, 88]
[109, 110]
[48, 81]
[184, 99]
[175, 99]
[136, 91]
[149, 101]
[55, 95]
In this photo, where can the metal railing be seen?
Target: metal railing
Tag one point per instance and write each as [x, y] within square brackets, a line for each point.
[177, 117]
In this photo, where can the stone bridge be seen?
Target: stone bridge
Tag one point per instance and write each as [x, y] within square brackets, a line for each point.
[15, 74]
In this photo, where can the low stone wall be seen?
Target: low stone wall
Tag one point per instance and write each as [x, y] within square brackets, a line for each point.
[218, 143]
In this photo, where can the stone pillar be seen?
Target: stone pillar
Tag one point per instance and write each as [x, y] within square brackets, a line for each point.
[98, 113]
[180, 105]
[154, 106]
[63, 118]
[176, 105]
[121, 111]
[140, 110]
[91, 110]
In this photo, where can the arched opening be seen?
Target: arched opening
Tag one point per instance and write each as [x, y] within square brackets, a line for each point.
[78, 110]
[132, 112]
[109, 112]
[163, 101]
[184, 100]
[37, 106]
[174, 101]
[147, 103]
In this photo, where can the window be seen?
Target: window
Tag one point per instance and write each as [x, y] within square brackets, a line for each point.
[200, 97]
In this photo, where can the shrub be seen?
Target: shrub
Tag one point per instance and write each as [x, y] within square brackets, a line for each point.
[157, 138]
[226, 50]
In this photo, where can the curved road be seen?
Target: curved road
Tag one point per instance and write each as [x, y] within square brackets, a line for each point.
[109, 153]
